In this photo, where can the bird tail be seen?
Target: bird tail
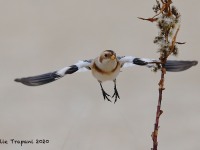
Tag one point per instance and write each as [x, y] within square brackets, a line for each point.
[177, 65]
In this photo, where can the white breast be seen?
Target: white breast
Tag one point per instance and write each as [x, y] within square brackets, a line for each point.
[105, 71]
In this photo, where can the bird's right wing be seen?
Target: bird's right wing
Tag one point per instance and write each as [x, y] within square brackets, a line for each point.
[52, 76]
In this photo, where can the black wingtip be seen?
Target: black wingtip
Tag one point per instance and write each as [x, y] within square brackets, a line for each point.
[17, 80]
[195, 63]
[24, 81]
[39, 79]
[179, 65]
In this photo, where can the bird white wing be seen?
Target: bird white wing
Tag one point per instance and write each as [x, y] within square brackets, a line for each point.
[52, 76]
[129, 61]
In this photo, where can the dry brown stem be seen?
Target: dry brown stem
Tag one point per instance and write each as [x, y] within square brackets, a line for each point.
[167, 18]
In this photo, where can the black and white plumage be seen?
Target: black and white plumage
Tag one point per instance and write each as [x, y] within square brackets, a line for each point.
[105, 67]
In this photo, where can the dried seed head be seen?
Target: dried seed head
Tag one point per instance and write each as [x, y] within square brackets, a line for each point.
[175, 12]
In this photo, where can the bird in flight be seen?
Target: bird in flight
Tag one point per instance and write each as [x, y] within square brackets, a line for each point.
[106, 67]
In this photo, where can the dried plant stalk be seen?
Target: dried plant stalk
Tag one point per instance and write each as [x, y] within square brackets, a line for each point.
[167, 18]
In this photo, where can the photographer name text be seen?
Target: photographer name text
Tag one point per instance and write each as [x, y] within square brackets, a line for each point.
[24, 142]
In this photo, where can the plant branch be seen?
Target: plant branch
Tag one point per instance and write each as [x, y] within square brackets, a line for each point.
[167, 18]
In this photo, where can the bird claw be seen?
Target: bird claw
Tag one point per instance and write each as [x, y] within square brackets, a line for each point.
[116, 95]
[106, 95]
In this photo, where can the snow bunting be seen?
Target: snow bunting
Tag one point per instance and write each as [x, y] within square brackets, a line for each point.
[106, 67]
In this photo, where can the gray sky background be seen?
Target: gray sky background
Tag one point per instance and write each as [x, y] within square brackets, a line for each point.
[38, 36]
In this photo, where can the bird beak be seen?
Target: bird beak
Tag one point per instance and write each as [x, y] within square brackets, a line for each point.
[113, 57]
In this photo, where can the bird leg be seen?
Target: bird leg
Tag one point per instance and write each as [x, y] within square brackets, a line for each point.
[116, 94]
[105, 95]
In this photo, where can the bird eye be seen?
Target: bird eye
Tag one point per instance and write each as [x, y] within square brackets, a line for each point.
[106, 55]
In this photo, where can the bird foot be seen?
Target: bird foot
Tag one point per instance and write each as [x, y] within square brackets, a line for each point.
[106, 95]
[116, 95]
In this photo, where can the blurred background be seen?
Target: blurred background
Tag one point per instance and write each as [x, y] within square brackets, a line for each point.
[38, 36]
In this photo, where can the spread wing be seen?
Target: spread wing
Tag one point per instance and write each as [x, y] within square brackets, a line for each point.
[170, 65]
[52, 76]
[129, 61]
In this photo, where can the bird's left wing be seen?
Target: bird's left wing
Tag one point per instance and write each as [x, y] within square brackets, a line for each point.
[170, 65]
[128, 61]
[52, 76]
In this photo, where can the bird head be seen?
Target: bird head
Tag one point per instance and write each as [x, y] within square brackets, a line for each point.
[107, 55]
